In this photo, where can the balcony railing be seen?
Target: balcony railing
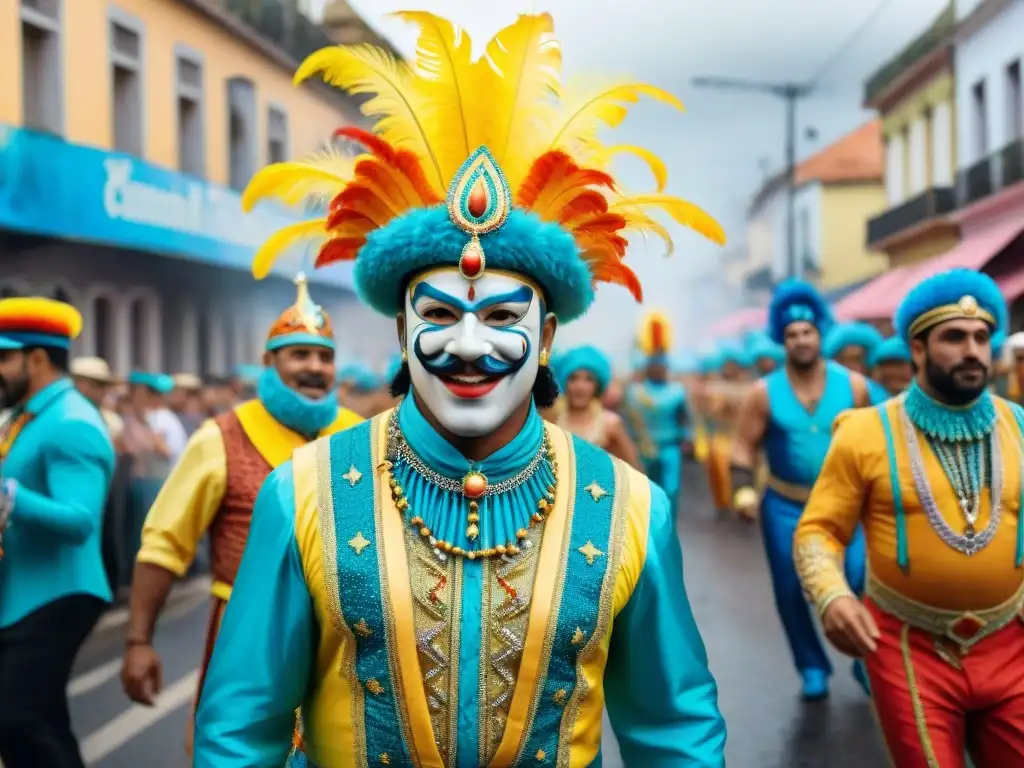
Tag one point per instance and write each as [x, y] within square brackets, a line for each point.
[996, 171]
[937, 201]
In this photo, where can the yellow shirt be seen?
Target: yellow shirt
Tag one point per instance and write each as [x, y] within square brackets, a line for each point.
[192, 495]
[854, 487]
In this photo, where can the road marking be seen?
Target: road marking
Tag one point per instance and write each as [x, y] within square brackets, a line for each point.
[119, 616]
[138, 718]
[94, 678]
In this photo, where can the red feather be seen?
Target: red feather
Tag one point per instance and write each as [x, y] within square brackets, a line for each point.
[619, 274]
[544, 169]
[339, 249]
[587, 203]
[657, 335]
[603, 223]
[402, 160]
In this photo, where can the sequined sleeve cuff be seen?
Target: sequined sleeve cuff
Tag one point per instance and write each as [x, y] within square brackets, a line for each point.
[819, 563]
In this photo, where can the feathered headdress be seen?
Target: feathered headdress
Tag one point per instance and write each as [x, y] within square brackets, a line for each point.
[655, 334]
[797, 301]
[845, 335]
[304, 323]
[477, 163]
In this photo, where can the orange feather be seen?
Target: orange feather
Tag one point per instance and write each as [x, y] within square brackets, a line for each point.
[543, 170]
[363, 200]
[657, 335]
[403, 161]
[606, 223]
[619, 274]
[379, 176]
[587, 203]
[339, 249]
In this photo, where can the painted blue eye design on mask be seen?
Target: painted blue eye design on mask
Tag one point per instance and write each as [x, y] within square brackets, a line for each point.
[438, 313]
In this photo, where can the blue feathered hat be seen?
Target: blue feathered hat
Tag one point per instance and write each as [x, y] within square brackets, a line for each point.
[764, 348]
[158, 382]
[710, 363]
[892, 350]
[359, 377]
[952, 295]
[731, 352]
[851, 335]
[586, 358]
[793, 301]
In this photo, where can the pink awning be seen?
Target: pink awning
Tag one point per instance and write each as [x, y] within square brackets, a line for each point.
[1011, 286]
[879, 298]
[739, 322]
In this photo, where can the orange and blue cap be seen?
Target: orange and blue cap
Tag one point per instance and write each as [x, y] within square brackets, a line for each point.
[304, 323]
[32, 321]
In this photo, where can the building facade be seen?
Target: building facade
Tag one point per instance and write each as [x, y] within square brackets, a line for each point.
[914, 94]
[127, 130]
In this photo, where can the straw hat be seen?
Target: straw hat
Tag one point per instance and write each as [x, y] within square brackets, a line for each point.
[92, 368]
[187, 381]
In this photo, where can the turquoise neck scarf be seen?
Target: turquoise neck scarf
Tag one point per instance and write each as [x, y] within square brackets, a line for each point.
[293, 409]
[947, 423]
[444, 512]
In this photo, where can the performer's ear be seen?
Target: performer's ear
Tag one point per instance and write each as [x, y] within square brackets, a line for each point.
[400, 327]
[547, 332]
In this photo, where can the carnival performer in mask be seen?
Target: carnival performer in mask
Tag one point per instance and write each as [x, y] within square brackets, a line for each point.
[851, 345]
[456, 582]
[584, 373]
[656, 409]
[892, 369]
[788, 414]
[214, 485]
[934, 475]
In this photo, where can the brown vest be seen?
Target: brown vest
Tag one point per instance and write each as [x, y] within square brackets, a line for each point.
[246, 471]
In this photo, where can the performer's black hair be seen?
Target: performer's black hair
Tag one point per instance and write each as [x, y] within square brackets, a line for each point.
[402, 382]
[545, 388]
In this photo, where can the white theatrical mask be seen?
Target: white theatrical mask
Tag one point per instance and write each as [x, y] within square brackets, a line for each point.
[473, 346]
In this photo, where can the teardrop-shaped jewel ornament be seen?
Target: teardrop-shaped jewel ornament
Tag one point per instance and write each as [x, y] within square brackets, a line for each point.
[479, 201]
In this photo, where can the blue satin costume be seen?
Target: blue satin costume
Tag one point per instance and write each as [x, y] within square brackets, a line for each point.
[660, 406]
[322, 630]
[795, 445]
[62, 462]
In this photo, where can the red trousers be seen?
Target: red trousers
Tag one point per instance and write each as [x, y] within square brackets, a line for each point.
[931, 711]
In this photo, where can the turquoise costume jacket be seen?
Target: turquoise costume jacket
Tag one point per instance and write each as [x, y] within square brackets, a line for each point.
[62, 462]
[399, 656]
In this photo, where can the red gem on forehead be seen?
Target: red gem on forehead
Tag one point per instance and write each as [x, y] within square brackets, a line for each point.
[472, 293]
[477, 202]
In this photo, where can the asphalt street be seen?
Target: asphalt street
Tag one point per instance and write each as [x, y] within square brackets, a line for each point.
[727, 581]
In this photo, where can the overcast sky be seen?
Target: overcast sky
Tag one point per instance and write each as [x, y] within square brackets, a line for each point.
[718, 150]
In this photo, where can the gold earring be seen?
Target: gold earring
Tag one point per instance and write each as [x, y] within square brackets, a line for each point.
[405, 356]
[542, 358]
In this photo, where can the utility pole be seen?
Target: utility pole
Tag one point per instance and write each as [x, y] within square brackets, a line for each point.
[791, 93]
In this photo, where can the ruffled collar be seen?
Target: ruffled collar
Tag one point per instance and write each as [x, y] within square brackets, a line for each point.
[950, 423]
[445, 459]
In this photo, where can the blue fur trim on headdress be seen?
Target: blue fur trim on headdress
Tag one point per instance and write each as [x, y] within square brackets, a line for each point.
[359, 377]
[796, 300]
[948, 288]
[710, 363]
[851, 335]
[589, 359]
[298, 339]
[892, 350]
[765, 348]
[426, 237]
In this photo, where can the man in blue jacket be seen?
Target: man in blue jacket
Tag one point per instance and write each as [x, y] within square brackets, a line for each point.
[57, 462]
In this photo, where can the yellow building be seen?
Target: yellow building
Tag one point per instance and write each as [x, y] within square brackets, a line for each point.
[914, 95]
[127, 128]
[837, 190]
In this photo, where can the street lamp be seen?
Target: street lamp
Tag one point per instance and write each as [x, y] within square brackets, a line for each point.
[791, 93]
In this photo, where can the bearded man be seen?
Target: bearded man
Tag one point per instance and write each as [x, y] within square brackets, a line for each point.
[456, 582]
[58, 461]
[585, 373]
[214, 485]
[934, 475]
[788, 415]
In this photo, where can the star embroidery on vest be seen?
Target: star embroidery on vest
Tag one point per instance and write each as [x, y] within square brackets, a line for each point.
[362, 629]
[541, 756]
[590, 552]
[596, 491]
[359, 543]
[353, 476]
[578, 636]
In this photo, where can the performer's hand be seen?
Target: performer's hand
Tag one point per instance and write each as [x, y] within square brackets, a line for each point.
[141, 674]
[850, 627]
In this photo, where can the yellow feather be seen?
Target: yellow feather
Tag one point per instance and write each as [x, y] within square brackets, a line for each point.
[278, 243]
[588, 106]
[444, 69]
[519, 82]
[403, 108]
[315, 180]
[657, 166]
[637, 221]
[683, 212]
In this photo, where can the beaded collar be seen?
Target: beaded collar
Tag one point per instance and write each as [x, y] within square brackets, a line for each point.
[948, 423]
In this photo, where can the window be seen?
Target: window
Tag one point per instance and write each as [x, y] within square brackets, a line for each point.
[277, 135]
[139, 330]
[41, 82]
[979, 119]
[191, 155]
[103, 328]
[1014, 103]
[126, 77]
[242, 153]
